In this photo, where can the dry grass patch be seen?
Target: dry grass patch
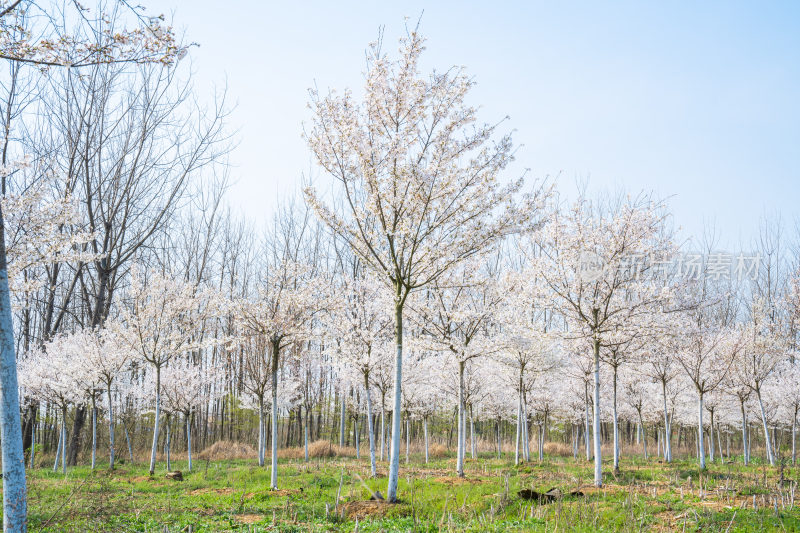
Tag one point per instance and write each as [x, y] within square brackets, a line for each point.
[317, 449]
[207, 490]
[558, 449]
[249, 518]
[225, 450]
[358, 510]
[437, 450]
[457, 480]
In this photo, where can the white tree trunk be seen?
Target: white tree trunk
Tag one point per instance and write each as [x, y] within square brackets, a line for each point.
[167, 447]
[425, 430]
[94, 431]
[519, 423]
[540, 442]
[473, 444]
[189, 439]
[575, 432]
[767, 440]
[598, 458]
[701, 452]
[154, 448]
[644, 435]
[394, 455]
[616, 422]
[342, 420]
[711, 449]
[667, 448]
[383, 428]
[15, 510]
[745, 451]
[499, 444]
[33, 438]
[306, 430]
[461, 437]
[355, 437]
[586, 433]
[370, 429]
[58, 450]
[274, 462]
[64, 440]
[261, 432]
[658, 441]
[408, 435]
[794, 433]
[526, 442]
[128, 440]
[110, 429]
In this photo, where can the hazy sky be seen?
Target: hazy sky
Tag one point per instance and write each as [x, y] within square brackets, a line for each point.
[696, 101]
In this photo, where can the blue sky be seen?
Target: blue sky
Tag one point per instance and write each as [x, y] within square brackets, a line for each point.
[698, 102]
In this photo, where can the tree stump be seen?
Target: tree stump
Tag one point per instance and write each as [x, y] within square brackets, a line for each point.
[175, 476]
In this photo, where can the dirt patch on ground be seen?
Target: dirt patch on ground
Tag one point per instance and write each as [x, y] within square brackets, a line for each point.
[141, 479]
[283, 492]
[249, 518]
[368, 509]
[225, 491]
[457, 480]
[607, 487]
[207, 490]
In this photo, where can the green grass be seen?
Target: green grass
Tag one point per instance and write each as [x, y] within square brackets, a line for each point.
[235, 496]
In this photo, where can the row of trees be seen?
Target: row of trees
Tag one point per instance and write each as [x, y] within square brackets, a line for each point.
[422, 282]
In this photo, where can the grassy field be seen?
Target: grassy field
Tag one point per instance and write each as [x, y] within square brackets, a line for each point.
[332, 495]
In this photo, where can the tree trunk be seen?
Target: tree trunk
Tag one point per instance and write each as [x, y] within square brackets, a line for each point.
[394, 456]
[94, 431]
[383, 426]
[767, 440]
[519, 421]
[499, 448]
[701, 452]
[274, 462]
[540, 442]
[261, 432]
[745, 451]
[58, 447]
[711, 449]
[306, 430]
[128, 440]
[154, 448]
[370, 429]
[110, 428]
[33, 438]
[166, 447]
[425, 430]
[188, 416]
[342, 420]
[644, 434]
[408, 435]
[15, 503]
[667, 430]
[598, 459]
[461, 437]
[355, 437]
[794, 432]
[64, 440]
[616, 422]
[586, 437]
